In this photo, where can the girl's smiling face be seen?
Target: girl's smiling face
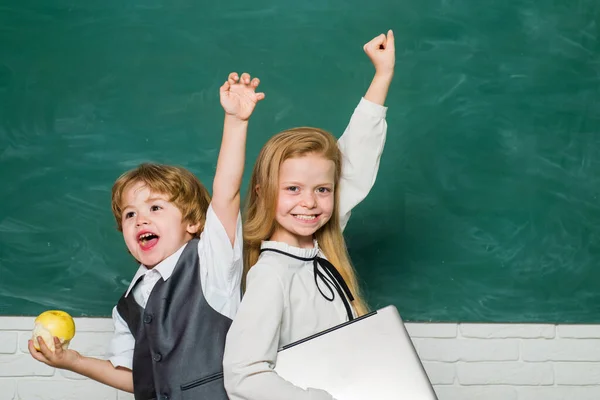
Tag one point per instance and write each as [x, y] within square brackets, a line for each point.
[305, 198]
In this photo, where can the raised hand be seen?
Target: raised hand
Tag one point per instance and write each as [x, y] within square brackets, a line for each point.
[382, 52]
[238, 95]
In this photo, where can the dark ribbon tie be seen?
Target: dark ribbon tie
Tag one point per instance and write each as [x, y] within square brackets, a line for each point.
[329, 276]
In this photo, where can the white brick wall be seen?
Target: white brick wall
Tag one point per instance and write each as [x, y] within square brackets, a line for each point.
[23, 378]
[464, 361]
[510, 361]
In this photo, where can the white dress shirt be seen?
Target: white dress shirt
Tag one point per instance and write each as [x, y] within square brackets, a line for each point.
[221, 266]
[282, 303]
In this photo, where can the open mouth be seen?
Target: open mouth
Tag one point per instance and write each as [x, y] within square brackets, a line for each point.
[306, 217]
[147, 240]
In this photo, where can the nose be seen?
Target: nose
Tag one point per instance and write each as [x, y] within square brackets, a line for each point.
[309, 200]
[141, 219]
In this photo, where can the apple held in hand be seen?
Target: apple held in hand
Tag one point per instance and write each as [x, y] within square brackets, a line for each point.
[53, 323]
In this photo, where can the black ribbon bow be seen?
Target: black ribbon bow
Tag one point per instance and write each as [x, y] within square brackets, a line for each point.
[330, 276]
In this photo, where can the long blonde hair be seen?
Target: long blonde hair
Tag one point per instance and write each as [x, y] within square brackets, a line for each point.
[260, 223]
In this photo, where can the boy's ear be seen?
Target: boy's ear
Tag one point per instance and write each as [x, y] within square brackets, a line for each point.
[192, 229]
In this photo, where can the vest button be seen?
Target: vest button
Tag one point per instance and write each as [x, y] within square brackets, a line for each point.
[147, 318]
[163, 397]
[157, 357]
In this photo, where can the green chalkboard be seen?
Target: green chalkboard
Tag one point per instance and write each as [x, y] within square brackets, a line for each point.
[486, 207]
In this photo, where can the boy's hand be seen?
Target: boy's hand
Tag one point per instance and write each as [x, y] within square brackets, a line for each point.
[382, 53]
[64, 359]
[239, 97]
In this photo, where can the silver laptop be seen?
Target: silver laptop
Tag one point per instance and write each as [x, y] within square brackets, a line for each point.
[371, 357]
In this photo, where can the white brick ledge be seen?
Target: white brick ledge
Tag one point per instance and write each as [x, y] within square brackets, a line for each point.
[464, 361]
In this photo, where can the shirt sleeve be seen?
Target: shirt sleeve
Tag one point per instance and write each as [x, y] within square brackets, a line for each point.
[361, 146]
[120, 349]
[221, 264]
[253, 341]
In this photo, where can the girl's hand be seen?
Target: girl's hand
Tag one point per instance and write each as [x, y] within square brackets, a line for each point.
[382, 53]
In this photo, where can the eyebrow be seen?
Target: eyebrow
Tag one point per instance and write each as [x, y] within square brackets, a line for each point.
[156, 198]
[291, 183]
[149, 200]
[294, 183]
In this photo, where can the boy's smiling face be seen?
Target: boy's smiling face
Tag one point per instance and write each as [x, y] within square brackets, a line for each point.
[153, 227]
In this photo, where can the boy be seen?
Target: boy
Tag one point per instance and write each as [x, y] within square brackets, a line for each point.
[171, 323]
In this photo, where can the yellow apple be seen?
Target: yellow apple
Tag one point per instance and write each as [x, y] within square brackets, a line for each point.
[53, 323]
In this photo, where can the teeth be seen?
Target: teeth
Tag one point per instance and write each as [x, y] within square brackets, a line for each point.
[305, 217]
[145, 235]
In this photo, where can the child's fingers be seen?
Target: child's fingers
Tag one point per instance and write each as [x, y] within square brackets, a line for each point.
[375, 43]
[255, 82]
[34, 352]
[390, 40]
[260, 96]
[225, 87]
[40, 357]
[245, 78]
[58, 350]
[44, 348]
[232, 78]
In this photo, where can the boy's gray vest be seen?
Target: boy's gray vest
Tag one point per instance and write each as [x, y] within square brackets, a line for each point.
[179, 337]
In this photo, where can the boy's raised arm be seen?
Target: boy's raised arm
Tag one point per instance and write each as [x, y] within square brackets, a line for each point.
[238, 98]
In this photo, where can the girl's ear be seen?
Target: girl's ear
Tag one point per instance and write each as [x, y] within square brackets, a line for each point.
[256, 190]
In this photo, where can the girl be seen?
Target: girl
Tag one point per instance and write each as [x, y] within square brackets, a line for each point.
[301, 281]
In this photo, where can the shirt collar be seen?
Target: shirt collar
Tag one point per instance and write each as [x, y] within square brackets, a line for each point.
[297, 251]
[164, 268]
